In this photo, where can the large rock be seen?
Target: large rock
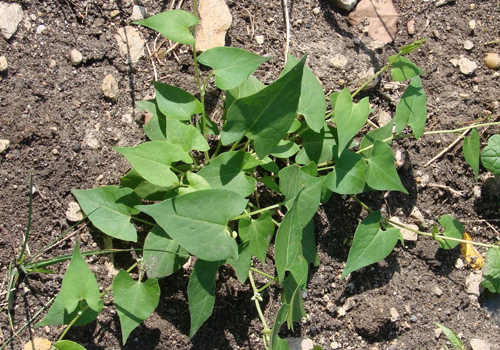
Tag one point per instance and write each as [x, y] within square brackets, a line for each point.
[130, 43]
[215, 20]
[10, 16]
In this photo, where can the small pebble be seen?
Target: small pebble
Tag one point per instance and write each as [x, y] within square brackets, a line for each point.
[139, 13]
[46, 329]
[40, 29]
[459, 264]
[110, 88]
[341, 312]
[316, 10]
[334, 345]
[114, 13]
[410, 26]
[394, 314]
[55, 151]
[468, 45]
[472, 25]
[437, 332]
[77, 147]
[259, 39]
[4, 145]
[349, 304]
[73, 213]
[467, 66]
[75, 57]
[52, 64]
[3, 64]
[438, 291]
[413, 319]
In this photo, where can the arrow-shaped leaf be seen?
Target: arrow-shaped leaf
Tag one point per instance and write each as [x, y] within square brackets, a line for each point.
[231, 65]
[173, 25]
[348, 176]
[198, 221]
[412, 109]
[134, 301]
[185, 136]
[259, 233]
[380, 173]
[175, 102]
[110, 209]
[490, 156]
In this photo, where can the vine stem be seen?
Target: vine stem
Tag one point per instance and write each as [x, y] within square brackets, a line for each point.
[256, 212]
[257, 306]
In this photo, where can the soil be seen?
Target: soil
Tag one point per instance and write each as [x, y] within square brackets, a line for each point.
[62, 130]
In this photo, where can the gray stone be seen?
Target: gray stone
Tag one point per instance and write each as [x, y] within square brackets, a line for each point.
[467, 66]
[73, 213]
[346, 4]
[110, 87]
[10, 16]
[3, 64]
[339, 61]
[75, 57]
[442, 2]
[139, 13]
[472, 285]
[299, 343]
[130, 43]
[4, 145]
[407, 234]
[215, 20]
[383, 117]
[349, 304]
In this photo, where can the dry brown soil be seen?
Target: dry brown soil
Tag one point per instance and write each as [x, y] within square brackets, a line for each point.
[63, 130]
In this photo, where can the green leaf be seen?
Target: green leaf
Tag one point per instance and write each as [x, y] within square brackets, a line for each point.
[162, 255]
[413, 46]
[227, 171]
[58, 315]
[349, 117]
[196, 183]
[270, 183]
[380, 172]
[403, 69]
[134, 301]
[309, 244]
[269, 165]
[185, 136]
[145, 189]
[175, 102]
[380, 134]
[312, 104]
[294, 181]
[110, 209]
[490, 156]
[266, 116]
[288, 245]
[318, 147]
[68, 345]
[278, 343]
[284, 149]
[201, 293]
[79, 284]
[471, 149]
[259, 233]
[348, 176]
[242, 264]
[452, 228]
[156, 127]
[250, 87]
[292, 295]
[412, 109]
[231, 65]
[452, 337]
[153, 159]
[198, 221]
[370, 244]
[174, 25]
[310, 169]
[491, 270]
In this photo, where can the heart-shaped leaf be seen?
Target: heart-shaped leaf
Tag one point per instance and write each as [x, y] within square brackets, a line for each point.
[490, 156]
[231, 65]
[491, 271]
[173, 25]
[153, 159]
[318, 147]
[259, 233]
[110, 209]
[370, 244]
[185, 136]
[348, 176]
[266, 116]
[198, 221]
[134, 301]
[403, 69]
[175, 102]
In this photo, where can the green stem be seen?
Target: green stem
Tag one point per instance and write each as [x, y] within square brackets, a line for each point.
[143, 221]
[257, 305]
[262, 273]
[386, 67]
[246, 215]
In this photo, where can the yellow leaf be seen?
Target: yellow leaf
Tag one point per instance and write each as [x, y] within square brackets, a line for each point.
[471, 254]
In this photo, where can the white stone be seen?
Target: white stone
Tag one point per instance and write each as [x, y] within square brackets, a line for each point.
[3, 64]
[76, 57]
[341, 312]
[467, 66]
[4, 145]
[339, 61]
[407, 234]
[472, 285]
[259, 39]
[459, 264]
[130, 43]
[300, 343]
[438, 332]
[394, 314]
[454, 62]
[346, 4]
[73, 213]
[479, 344]
[316, 10]
[441, 2]
[472, 25]
[139, 13]
[334, 345]
[110, 87]
[417, 216]
[468, 45]
[349, 304]
[383, 117]
[215, 20]
[10, 16]
[438, 291]
[40, 29]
